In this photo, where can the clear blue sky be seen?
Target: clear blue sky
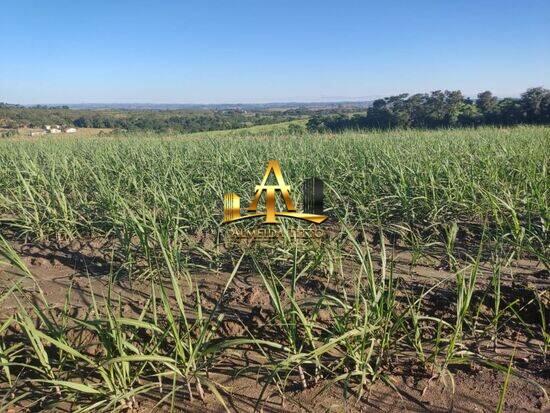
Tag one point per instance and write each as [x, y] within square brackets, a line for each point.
[265, 51]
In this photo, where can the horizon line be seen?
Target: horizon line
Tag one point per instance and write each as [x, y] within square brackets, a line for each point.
[237, 103]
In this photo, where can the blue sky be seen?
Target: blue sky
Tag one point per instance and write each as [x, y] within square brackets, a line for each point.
[259, 51]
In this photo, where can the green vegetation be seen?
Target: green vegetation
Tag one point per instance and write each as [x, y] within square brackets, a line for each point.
[443, 110]
[294, 127]
[182, 120]
[454, 198]
[65, 189]
[440, 109]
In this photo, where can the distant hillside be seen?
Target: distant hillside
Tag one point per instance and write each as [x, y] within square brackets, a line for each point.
[222, 106]
[283, 128]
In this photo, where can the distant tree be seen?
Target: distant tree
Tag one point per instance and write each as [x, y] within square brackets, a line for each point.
[510, 112]
[533, 102]
[454, 105]
[486, 102]
[316, 124]
[470, 115]
[294, 129]
[82, 122]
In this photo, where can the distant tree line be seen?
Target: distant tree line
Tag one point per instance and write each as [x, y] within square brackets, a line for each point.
[179, 122]
[441, 109]
[438, 109]
[17, 116]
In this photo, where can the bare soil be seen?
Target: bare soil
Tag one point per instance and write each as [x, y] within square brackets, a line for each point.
[85, 266]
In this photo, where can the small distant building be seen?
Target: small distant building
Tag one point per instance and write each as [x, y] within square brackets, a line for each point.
[47, 127]
[70, 130]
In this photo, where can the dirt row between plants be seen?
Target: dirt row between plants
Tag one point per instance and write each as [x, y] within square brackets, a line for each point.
[248, 311]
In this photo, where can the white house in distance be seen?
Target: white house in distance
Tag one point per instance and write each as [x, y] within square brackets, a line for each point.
[55, 129]
[52, 128]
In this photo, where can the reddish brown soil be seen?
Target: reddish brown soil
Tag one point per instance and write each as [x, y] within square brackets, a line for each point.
[476, 389]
